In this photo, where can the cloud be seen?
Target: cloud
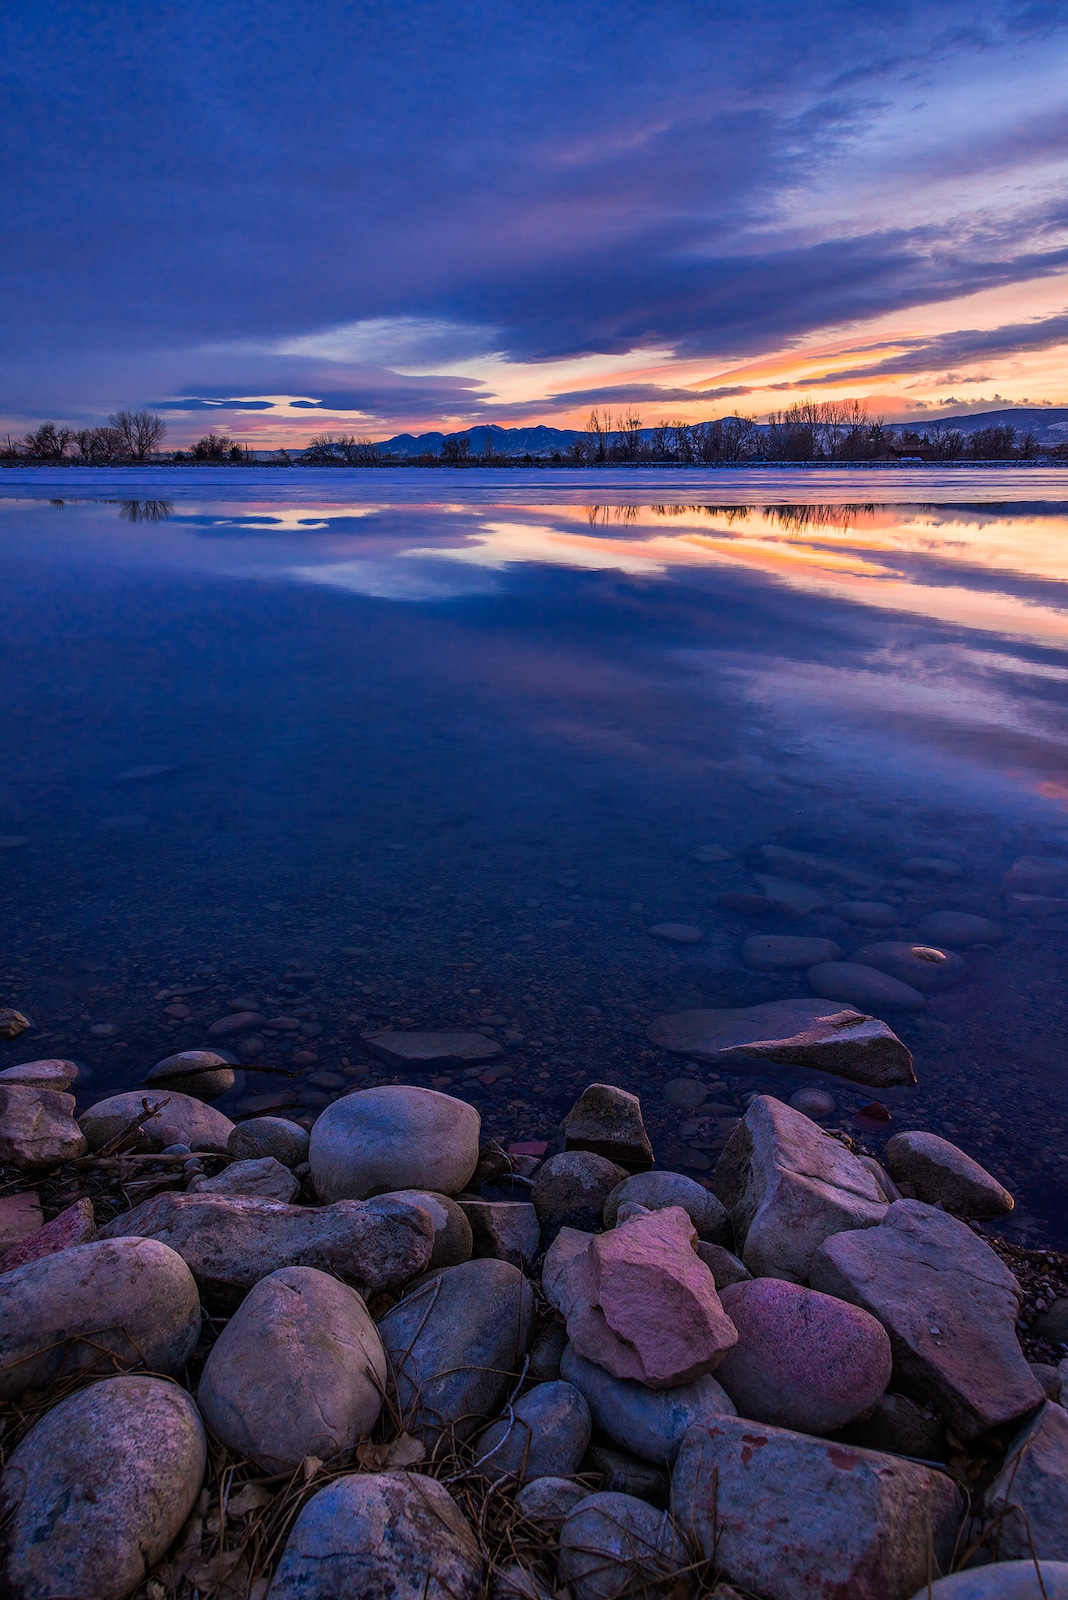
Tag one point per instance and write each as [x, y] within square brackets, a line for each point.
[956, 349]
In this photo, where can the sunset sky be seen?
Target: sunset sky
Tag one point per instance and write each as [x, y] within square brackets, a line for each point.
[280, 220]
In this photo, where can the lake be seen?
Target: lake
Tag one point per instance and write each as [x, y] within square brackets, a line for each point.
[361, 747]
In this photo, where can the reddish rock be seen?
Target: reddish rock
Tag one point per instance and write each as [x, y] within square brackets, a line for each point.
[20, 1218]
[76, 1225]
[803, 1360]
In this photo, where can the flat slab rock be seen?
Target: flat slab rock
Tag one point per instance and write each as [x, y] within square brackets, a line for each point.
[950, 1307]
[415, 1050]
[805, 1033]
[833, 1521]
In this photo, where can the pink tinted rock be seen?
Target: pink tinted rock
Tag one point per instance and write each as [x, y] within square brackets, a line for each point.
[20, 1218]
[76, 1225]
[803, 1360]
[644, 1306]
[37, 1127]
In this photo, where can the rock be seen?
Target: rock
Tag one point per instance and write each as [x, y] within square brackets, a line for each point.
[545, 1353]
[651, 1422]
[608, 1121]
[863, 986]
[676, 932]
[800, 864]
[1029, 1497]
[544, 1435]
[949, 1306]
[414, 1052]
[299, 1370]
[380, 1536]
[1049, 1378]
[1005, 1580]
[926, 1167]
[712, 852]
[834, 1521]
[1041, 875]
[960, 927]
[456, 1344]
[116, 1302]
[921, 965]
[658, 1190]
[1036, 905]
[37, 1128]
[788, 1185]
[623, 1473]
[176, 1119]
[286, 1141]
[803, 1360]
[99, 1488]
[724, 1267]
[929, 867]
[453, 1239]
[42, 1074]
[566, 1248]
[197, 1072]
[12, 1023]
[506, 1230]
[1052, 1324]
[231, 1242]
[814, 1102]
[570, 1189]
[546, 1502]
[899, 1425]
[20, 1219]
[494, 1165]
[264, 1178]
[516, 1582]
[803, 1033]
[641, 1303]
[75, 1225]
[393, 1137]
[771, 952]
[867, 913]
[685, 1092]
[236, 1022]
[614, 1545]
[789, 898]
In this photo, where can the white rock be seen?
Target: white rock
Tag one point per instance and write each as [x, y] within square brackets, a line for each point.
[393, 1137]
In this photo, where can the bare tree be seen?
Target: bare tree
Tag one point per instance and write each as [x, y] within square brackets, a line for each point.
[142, 433]
[100, 447]
[48, 442]
[598, 433]
[456, 450]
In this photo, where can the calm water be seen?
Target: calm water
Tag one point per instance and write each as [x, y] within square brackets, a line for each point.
[440, 746]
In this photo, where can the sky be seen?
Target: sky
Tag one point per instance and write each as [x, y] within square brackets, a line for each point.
[276, 221]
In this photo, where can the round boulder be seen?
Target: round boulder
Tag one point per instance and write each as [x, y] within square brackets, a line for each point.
[650, 1423]
[863, 987]
[393, 1137]
[299, 1370]
[176, 1119]
[99, 1488]
[658, 1190]
[48, 1074]
[114, 1302]
[922, 965]
[614, 1545]
[286, 1141]
[453, 1237]
[803, 1360]
[197, 1072]
[545, 1436]
[571, 1189]
[392, 1535]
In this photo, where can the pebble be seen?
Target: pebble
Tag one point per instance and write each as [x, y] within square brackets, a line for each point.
[650, 1422]
[546, 1435]
[770, 952]
[612, 1544]
[99, 1489]
[867, 913]
[299, 1370]
[570, 1189]
[676, 932]
[1041, 875]
[923, 966]
[123, 1301]
[864, 987]
[960, 927]
[380, 1536]
[394, 1137]
[286, 1141]
[658, 1190]
[177, 1119]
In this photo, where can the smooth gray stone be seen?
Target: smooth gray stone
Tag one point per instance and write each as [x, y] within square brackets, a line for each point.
[380, 1536]
[395, 1136]
[178, 1119]
[570, 1189]
[658, 1190]
[110, 1303]
[456, 1344]
[608, 1121]
[264, 1178]
[286, 1141]
[804, 1033]
[651, 1422]
[1005, 1580]
[299, 1370]
[453, 1238]
[1029, 1497]
[922, 966]
[612, 1544]
[929, 1168]
[961, 928]
[99, 1489]
[775, 952]
[852, 983]
[546, 1436]
[547, 1502]
[47, 1074]
[197, 1072]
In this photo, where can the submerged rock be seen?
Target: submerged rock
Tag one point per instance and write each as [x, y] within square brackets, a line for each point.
[803, 1033]
[925, 967]
[770, 952]
[803, 864]
[414, 1052]
[960, 927]
[676, 932]
[789, 898]
[863, 986]
[98, 1490]
[867, 913]
[393, 1137]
